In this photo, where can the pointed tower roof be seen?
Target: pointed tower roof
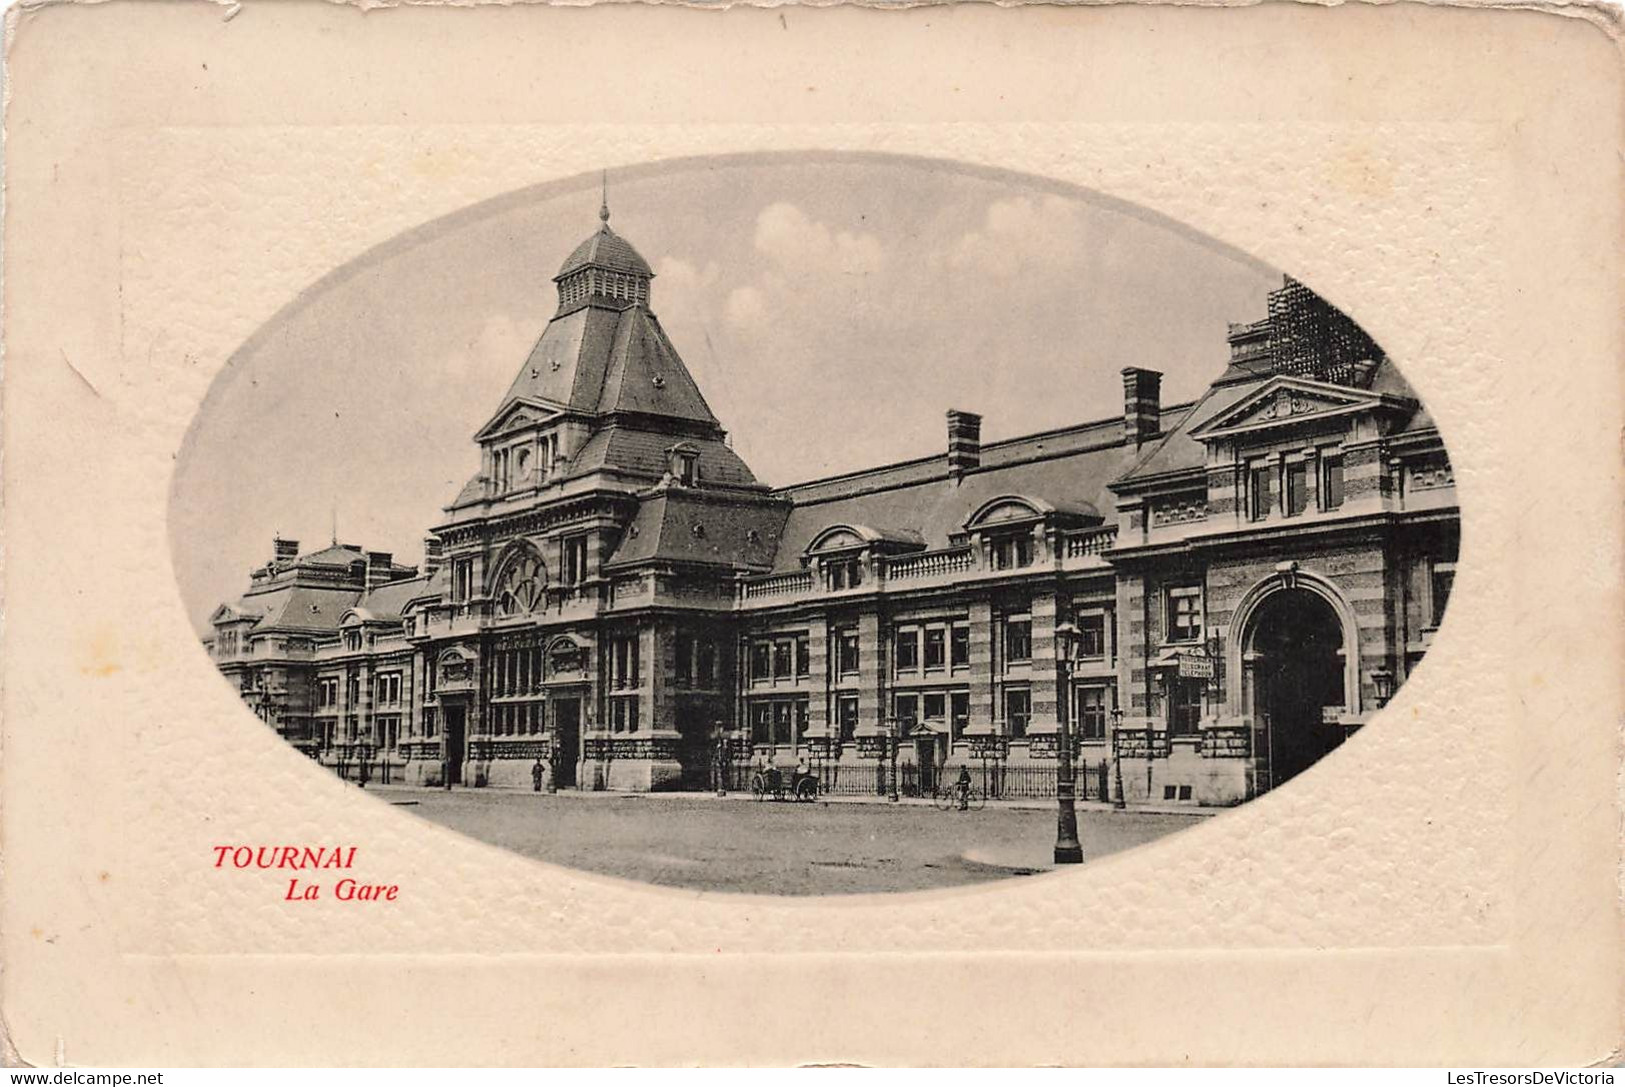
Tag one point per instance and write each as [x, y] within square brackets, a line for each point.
[608, 250]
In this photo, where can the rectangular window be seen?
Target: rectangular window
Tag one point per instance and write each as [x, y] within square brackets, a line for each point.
[1092, 713]
[958, 713]
[1018, 640]
[935, 706]
[906, 708]
[959, 646]
[803, 657]
[462, 579]
[1443, 580]
[1297, 487]
[1185, 707]
[936, 648]
[705, 664]
[782, 724]
[1010, 552]
[623, 662]
[846, 716]
[908, 649]
[1092, 635]
[1185, 614]
[1258, 492]
[846, 651]
[1018, 710]
[783, 654]
[684, 672]
[1331, 481]
[843, 574]
[575, 560]
[761, 722]
[761, 661]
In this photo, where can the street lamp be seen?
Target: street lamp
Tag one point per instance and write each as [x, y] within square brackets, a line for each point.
[1383, 680]
[1117, 755]
[1067, 848]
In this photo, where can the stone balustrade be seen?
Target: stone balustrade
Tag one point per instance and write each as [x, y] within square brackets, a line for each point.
[930, 564]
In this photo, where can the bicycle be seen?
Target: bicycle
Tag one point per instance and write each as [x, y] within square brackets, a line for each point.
[957, 798]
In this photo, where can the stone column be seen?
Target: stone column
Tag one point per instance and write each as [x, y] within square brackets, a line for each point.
[984, 710]
[1045, 614]
[873, 661]
[819, 675]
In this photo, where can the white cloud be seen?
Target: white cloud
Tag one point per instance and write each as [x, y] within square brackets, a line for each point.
[795, 243]
[1022, 234]
[746, 307]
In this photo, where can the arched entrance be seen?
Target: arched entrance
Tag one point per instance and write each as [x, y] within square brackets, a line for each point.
[1294, 652]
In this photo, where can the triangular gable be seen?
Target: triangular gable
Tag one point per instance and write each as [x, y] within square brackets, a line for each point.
[1287, 400]
[517, 414]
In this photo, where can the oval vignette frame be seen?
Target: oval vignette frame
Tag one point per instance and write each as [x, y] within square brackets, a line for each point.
[1214, 563]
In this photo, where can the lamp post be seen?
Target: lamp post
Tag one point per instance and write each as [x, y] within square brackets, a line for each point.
[894, 741]
[1117, 755]
[1067, 848]
[720, 757]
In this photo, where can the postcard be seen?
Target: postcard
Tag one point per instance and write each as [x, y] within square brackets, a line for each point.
[957, 535]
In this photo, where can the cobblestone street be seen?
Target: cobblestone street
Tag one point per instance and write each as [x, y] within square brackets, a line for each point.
[739, 845]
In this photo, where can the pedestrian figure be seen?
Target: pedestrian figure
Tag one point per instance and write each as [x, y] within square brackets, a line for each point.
[536, 776]
[962, 788]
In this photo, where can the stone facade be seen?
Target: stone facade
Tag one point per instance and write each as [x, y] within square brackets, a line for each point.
[614, 602]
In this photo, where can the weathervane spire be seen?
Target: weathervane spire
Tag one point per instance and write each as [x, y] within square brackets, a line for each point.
[603, 207]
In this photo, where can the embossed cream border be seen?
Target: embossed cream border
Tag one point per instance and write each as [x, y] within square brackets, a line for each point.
[1448, 891]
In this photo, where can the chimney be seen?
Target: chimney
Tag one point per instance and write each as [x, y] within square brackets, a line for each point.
[1142, 405]
[380, 565]
[434, 554]
[283, 550]
[964, 442]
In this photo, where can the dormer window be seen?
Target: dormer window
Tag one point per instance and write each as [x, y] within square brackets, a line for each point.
[684, 464]
[1010, 552]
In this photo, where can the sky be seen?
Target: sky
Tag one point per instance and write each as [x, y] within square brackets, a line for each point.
[830, 309]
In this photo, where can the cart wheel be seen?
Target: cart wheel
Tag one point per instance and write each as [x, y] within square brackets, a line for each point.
[758, 787]
[807, 789]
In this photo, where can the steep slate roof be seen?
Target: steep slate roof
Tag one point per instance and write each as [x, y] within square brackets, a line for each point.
[299, 608]
[606, 249]
[386, 602]
[644, 451]
[682, 525]
[598, 360]
[1068, 469]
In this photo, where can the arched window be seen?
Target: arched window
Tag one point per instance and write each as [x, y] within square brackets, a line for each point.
[519, 589]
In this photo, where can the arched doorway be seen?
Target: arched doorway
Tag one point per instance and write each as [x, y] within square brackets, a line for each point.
[1294, 651]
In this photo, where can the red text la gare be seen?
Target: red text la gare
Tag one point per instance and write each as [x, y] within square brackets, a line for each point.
[345, 890]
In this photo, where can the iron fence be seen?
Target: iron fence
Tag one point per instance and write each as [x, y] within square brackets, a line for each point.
[998, 780]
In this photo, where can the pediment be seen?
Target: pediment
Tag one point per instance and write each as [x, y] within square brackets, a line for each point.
[515, 416]
[1289, 401]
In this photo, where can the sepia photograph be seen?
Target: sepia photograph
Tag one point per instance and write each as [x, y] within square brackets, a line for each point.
[728, 538]
[876, 523]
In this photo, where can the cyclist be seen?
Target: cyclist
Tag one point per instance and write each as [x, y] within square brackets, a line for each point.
[962, 789]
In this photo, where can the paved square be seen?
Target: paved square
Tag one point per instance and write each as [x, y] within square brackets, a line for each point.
[740, 845]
